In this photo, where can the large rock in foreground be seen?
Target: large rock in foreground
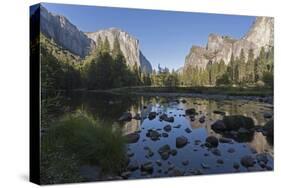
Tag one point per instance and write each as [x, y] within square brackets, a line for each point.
[233, 123]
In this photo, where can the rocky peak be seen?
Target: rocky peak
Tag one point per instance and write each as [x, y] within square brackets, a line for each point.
[128, 45]
[221, 47]
[64, 33]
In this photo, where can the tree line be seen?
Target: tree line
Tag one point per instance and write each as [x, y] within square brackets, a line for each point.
[238, 71]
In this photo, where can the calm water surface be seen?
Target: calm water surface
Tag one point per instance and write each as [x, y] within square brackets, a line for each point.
[109, 108]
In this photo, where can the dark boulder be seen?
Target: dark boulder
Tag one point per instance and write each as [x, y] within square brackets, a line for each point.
[190, 111]
[153, 135]
[211, 141]
[234, 123]
[218, 126]
[238, 121]
[181, 141]
[164, 151]
[167, 128]
[152, 115]
[202, 119]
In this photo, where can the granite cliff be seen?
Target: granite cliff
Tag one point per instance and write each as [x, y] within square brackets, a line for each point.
[221, 47]
[128, 45]
[60, 30]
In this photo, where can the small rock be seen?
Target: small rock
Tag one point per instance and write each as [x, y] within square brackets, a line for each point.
[267, 115]
[262, 157]
[216, 151]
[247, 161]
[202, 119]
[147, 167]
[188, 130]
[183, 101]
[152, 115]
[164, 151]
[168, 128]
[174, 152]
[181, 141]
[153, 135]
[177, 126]
[185, 163]
[158, 162]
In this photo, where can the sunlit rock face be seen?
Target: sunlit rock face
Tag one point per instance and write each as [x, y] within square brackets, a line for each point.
[59, 29]
[64, 33]
[128, 45]
[261, 34]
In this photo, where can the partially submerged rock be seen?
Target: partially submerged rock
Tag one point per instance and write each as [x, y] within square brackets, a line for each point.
[147, 167]
[236, 123]
[153, 135]
[190, 111]
[211, 141]
[247, 161]
[181, 141]
[164, 151]
[167, 128]
[132, 138]
[152, 115]
[164, 117]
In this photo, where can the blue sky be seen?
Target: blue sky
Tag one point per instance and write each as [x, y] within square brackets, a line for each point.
[165, 36]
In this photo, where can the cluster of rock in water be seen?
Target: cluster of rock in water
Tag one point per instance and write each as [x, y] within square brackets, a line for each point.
[231, 126]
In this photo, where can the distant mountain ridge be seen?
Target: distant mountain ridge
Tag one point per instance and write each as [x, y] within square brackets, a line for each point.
[59, 29]
[221, 47]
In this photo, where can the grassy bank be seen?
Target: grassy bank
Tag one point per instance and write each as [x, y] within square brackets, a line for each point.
[77, 139]
[231, 91]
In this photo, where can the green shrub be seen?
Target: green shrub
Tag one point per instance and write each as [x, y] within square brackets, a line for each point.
[86, 141]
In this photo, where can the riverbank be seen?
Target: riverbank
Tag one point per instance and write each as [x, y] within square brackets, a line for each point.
[222, 93]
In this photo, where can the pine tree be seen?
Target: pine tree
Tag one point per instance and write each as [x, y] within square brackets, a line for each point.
[241, 66]
[232, 68]
[250, 67]
[106, 46]
[116, 48]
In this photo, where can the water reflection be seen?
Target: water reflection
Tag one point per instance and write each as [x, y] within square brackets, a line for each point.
[109, 108]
